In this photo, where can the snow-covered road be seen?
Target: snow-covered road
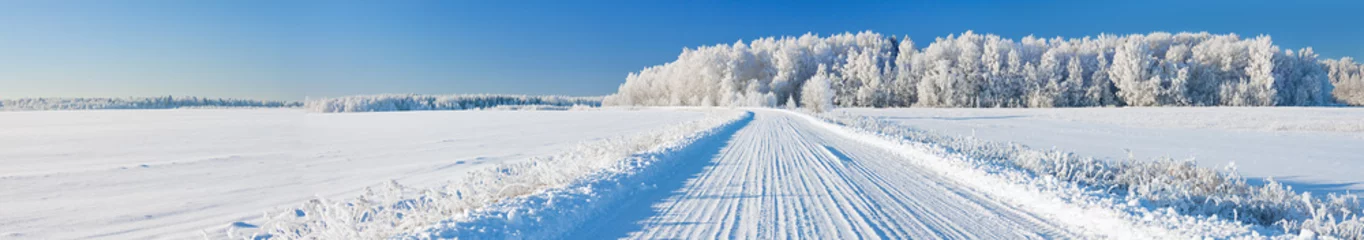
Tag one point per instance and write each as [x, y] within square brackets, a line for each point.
[782, 177]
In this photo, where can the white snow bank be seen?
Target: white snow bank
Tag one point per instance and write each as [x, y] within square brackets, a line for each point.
[537, 197]
[1122, 199]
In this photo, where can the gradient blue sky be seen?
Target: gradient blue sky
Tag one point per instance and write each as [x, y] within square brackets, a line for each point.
[289, 50]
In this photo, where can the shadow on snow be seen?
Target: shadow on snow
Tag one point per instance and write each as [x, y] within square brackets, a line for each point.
[633, 214]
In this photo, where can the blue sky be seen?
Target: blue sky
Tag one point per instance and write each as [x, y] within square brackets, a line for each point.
[289, 50]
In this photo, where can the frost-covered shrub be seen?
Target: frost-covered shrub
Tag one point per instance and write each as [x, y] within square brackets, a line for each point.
[1165, 183]
[415, 102]
[167, 102]
[868, 69]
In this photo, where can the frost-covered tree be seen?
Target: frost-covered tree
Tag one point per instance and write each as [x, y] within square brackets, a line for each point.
[1348, 79]
[903, 87]
[1131, 72]
[817, 95]
[1073, 94]
[1100, 91]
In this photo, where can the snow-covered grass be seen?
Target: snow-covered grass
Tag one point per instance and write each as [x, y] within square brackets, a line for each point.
[1175, 195]
[416, 102]
[157, 174]
[1343, 120]
[532, 199]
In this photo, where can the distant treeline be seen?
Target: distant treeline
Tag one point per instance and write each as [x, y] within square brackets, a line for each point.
[167, 102]
[973, 70]
[415, 102]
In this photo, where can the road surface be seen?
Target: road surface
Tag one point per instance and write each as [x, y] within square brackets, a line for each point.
[782, 177]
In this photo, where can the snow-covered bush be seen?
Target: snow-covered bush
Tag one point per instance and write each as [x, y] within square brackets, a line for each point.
[415, 102]
[1178, 185]
[536, 197]
[167, 102]
[972, 70]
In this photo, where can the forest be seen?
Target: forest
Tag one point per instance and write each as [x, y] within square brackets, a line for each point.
[869, 69]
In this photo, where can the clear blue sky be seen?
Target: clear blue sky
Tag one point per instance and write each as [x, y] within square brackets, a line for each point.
[291, 49]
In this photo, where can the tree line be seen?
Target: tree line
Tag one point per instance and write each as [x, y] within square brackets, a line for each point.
[869, 69]
[419, 102]
[166, 102]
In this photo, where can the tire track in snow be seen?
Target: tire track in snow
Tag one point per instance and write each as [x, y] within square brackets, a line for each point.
[780, 177]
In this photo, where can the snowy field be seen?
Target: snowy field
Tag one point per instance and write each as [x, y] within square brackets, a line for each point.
[137, 174]
[650, 173]
[1313, 149]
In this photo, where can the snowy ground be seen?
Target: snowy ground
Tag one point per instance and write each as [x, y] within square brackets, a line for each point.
[172, 173]
[1313, 149]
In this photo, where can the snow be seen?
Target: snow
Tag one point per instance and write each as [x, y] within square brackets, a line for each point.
[665, 173]
[172, 173]
[1311, 149]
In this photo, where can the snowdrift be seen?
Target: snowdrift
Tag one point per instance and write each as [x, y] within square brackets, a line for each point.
[414, 102]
